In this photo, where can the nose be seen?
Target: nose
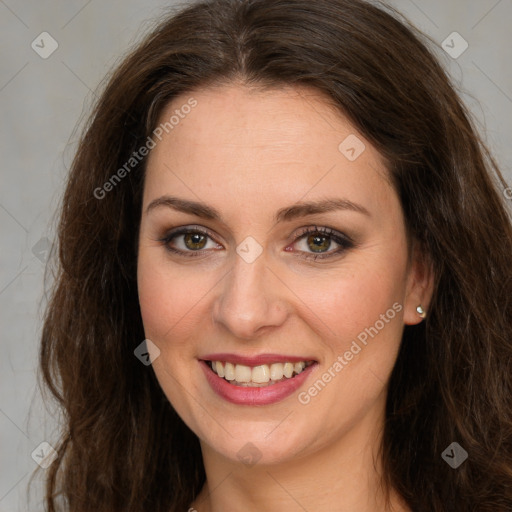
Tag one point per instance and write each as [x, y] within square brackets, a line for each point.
[252, 299]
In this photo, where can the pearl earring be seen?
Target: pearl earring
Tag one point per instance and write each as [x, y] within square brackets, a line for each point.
[421, 311]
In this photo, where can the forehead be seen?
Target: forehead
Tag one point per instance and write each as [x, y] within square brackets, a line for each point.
[241, 145]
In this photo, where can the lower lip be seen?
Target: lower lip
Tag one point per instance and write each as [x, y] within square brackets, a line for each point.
[244, 395]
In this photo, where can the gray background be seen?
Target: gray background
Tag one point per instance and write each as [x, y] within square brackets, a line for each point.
[41, 102]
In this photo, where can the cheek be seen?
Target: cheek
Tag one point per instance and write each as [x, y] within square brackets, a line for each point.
[360, 324]
[164, 295]
[170, 302]
[173, 301]
[349, 300]
[156, 298]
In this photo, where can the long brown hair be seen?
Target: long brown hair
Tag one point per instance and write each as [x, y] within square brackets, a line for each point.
[123, 448]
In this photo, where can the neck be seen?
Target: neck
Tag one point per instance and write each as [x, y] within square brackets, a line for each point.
[341, 476]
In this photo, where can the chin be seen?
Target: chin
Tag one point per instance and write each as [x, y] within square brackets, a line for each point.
[262, 443]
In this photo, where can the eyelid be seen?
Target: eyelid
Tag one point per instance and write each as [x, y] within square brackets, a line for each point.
[325, 230]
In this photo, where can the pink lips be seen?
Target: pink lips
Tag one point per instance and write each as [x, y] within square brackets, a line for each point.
[242, 395]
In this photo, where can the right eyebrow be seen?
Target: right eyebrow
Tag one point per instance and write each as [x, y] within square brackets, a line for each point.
[183, 205]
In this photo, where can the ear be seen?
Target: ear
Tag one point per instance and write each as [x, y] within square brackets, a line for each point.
[420, 285]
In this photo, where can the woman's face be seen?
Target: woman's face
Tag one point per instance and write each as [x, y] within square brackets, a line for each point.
[227, 271]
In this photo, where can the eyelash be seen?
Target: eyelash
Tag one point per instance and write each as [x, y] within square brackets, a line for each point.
[344, 241]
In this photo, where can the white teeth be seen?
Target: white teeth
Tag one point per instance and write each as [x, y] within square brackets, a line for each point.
[298, 367]
[288, 370]
[264, 374]
[229, 371]
[243, 373]
[219, 369]
[276, 371]
[261, 374]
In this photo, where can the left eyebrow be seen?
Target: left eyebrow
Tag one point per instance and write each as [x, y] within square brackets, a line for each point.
[283, 215]
[314, 207]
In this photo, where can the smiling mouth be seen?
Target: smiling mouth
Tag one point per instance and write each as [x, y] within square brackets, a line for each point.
[257, 376]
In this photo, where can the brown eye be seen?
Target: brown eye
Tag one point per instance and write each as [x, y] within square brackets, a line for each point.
[189, 242]
[318, 243]
[314, 243]
[195, 241]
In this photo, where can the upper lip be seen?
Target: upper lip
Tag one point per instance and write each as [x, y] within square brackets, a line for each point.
[255, 360]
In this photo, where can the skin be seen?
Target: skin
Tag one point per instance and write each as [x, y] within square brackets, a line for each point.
[248, 153]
